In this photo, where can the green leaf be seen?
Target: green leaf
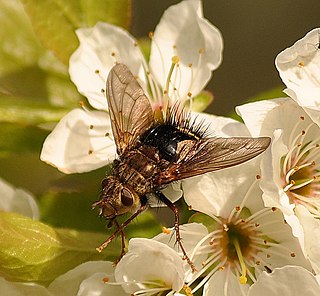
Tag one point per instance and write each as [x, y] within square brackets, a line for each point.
[33, 251]
[54, 26]
[55, 21]
[19, 46]
[201, 101]
[21, 111]
[19, 138]
[114, 12]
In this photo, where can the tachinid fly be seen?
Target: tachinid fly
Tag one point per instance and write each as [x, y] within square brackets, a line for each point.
[153, 154]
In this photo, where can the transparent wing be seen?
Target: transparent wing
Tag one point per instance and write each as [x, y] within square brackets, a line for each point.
[197, 157]
[130, 110]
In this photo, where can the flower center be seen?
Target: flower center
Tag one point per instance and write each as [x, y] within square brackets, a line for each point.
[240, 244]
[301, 166]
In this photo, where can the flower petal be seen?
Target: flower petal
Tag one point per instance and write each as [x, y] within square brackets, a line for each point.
[100, 48]
[311, 228]
[89, 278]
[183, 32]
[17, 200]
[299, 69]
[22, 289]
[147, 261]
[288, 280]
[82, 141]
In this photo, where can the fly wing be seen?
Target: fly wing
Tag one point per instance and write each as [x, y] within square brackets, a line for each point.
[130, 110]
[195, 157]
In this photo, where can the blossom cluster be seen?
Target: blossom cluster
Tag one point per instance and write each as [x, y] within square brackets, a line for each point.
[256, 227]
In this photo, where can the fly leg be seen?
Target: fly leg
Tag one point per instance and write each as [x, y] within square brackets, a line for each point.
[174, 209]
[123, 242]
[120, 229]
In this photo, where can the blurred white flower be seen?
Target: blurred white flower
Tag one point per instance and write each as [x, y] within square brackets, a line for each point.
[150, 268]
[94, 278]
[290, 169]
[17, 200]
[22, 289]
[299, 68]
[182, 34]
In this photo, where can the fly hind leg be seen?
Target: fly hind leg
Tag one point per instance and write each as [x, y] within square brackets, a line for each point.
[174, 209]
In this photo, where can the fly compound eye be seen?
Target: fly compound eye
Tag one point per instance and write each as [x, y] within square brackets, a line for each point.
[126, 197]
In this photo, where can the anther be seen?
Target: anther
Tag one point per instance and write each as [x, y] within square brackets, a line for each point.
[91, 126]
[90, 152]
[105, 280]
[113, 54]
[151, 35]
[96, 71]
[293, 254]
[301, 64]
[201, 50]
[166, 230]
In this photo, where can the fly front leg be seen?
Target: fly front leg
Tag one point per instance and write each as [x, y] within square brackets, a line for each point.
[120, 229]
[174, 209]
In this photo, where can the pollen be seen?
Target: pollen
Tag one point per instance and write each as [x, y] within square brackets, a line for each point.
[175, 59]
[166, 230]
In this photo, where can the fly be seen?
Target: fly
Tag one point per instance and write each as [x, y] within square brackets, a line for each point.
[153, 153]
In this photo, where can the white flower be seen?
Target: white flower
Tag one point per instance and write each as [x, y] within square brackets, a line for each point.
[95, 278]
[299, 68]
[290, 169]
[287, 280]
[22, 289]
[17, 200]
[182, 34]
[244, 238]
[150, 268]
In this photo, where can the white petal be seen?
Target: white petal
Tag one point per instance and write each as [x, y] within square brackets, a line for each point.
[100, 48]
[79, 142]
[149, 260]
[183, 32]
[311, 229]
[288, 280]
[22, 289]
[87, 279]
[191, 234]
[17, 200]
[217, 193]
[299, 69]
[263, 117]
[224, 283]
